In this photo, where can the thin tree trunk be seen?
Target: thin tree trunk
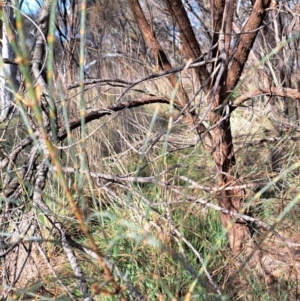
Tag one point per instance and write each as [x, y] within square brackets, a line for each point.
[188, 39]
[219, 93]
[223, 153]
[156, 49]
[164, 63]
[224, 159]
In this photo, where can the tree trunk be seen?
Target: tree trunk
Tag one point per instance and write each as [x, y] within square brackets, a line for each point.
[219, 93]
[223, 156]
[222, 151]
[159, 54]
[188, 39]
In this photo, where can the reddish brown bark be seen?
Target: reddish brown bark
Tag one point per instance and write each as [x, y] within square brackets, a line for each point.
[223, 156]
[246, 42]
[156, 48]
[228, 27]
[222, 145]
[188, 39]
[151, 40]
[223, 83]
[222, 151]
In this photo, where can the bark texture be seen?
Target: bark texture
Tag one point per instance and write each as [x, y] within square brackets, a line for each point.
[223, 152]
[245, 44]
[221, 86]
[188, 39]
[156, 49]
[217, 9]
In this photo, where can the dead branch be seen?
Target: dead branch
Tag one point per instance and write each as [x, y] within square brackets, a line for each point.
[93, 115]
[272, 91]
[141, 80]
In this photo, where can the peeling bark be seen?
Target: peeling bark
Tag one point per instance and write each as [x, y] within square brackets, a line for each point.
[217, 9]
[223, 156]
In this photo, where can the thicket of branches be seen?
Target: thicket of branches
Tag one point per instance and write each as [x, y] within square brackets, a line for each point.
[149, 150]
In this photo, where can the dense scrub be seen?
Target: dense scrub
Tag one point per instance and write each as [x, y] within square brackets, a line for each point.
[150, 151]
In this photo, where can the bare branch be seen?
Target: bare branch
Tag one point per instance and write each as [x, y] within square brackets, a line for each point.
[272, 91]
[152, 76]
[239, 217]
[38, 201]
[246, 41]
[76, 122]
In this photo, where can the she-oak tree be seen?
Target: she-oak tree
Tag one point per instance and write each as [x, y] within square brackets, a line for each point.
[219, 73]
[218, 89]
